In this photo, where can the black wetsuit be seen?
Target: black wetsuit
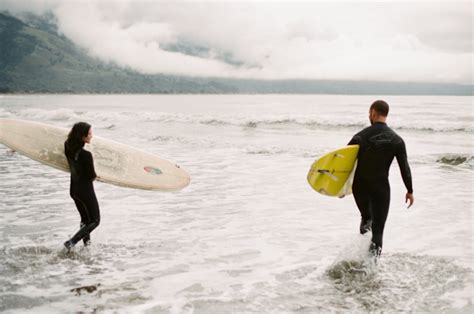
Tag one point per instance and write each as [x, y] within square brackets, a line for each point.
[81, 165]
[378, 146]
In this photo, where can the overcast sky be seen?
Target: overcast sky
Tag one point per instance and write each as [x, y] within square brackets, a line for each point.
[390, 41]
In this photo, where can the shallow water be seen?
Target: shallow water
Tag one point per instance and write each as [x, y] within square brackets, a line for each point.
[248, 234]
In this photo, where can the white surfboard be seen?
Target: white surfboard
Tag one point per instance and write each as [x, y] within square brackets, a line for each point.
[114, 163]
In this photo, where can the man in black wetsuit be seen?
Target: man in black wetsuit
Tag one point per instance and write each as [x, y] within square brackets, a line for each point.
[379, 145]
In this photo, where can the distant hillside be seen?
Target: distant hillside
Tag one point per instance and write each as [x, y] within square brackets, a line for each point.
[35, 59]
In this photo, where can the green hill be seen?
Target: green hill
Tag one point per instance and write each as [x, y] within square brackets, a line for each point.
[34, 58]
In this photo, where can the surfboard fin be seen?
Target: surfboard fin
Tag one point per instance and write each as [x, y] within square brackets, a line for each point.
[328, 173]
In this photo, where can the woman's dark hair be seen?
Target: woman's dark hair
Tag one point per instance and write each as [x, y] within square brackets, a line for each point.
[381, 107]
[75, 140]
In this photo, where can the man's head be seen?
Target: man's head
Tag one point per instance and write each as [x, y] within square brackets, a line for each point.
[378, 111]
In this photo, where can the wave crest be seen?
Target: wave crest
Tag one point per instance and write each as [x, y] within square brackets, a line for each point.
[456, 160]
[247, 121]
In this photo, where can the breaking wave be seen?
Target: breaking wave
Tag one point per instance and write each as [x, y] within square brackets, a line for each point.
[49, 115]
[456, 160]
[240, 120]
[324, 124]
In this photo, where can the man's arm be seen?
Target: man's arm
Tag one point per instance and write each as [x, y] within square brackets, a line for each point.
[404, 167]
[406, 173]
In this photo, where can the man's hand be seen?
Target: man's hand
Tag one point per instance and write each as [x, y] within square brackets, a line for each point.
[410, 199]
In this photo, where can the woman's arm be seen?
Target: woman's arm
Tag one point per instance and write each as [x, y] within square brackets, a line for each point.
[89, 170]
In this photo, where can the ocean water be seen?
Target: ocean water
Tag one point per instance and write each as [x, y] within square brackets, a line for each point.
[248, 235]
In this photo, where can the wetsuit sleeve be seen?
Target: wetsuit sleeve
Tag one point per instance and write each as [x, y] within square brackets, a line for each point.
[404, 167]
[355, 140]
[89, 171]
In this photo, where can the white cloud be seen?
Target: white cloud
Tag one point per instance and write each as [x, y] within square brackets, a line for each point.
[36, 7]
[396, 41]
[136, 46]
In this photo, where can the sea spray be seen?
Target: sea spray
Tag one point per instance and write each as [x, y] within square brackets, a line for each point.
[354, 261]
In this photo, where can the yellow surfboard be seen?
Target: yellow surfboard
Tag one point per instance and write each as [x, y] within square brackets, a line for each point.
[332, 174]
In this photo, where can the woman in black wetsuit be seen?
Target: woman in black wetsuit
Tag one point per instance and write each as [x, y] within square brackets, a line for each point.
[81, 165]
